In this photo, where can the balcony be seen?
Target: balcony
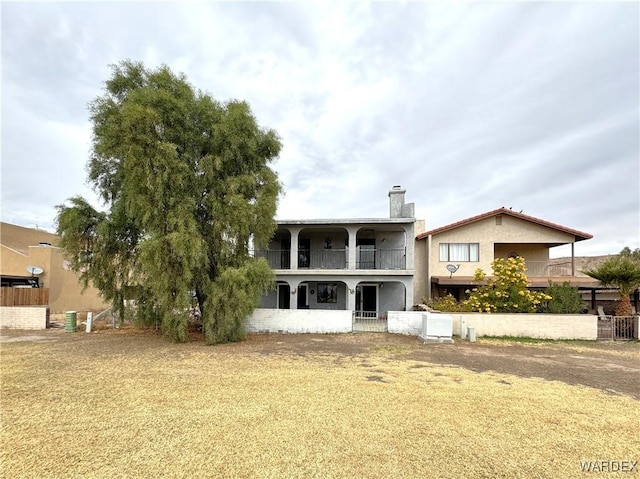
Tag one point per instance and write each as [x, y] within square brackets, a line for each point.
[546, 268]
[369, 259]
[381, 259]
[277, 258]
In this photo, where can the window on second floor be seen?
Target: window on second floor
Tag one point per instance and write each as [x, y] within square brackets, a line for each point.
[459, 251]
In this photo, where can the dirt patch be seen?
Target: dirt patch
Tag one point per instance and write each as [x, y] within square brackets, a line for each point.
[609, 366]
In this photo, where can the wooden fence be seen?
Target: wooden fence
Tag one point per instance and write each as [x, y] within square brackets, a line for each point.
[25, 297]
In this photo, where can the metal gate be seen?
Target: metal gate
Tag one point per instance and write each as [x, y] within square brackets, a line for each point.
[617, 328]
[369, 322]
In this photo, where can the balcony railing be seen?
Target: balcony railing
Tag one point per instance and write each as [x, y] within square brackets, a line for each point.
[545, 268]
[335, 258]
[323, 259]
[277, 258]
[381, 259]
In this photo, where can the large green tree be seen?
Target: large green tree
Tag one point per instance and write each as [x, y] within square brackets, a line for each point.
[622, 272]
[187, 187]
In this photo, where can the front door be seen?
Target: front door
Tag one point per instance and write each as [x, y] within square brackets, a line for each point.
[367, 300]
[367, 253]
[366, 317]
[304, 253]
[303, 300]
[285, 254]
[284, 296]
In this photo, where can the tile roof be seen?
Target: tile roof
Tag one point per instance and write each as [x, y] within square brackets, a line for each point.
[579, 235]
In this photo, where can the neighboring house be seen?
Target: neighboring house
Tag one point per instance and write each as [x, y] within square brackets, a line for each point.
[362, 265]
[475, 242]
[22, 249]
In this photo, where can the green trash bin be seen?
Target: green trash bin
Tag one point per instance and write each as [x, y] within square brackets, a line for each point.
[71, 321]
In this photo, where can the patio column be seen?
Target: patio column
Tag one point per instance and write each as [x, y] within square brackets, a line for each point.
[351, 294]
[295, 232]
[408, 298]
[353, 235]
[573, 260]
[293, 289]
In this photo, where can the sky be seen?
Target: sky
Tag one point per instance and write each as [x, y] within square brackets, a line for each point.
[533, 106]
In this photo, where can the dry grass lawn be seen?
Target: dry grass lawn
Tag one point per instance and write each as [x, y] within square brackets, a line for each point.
[129, 404]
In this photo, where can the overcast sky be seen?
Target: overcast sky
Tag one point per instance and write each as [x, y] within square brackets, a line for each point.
[469, 106]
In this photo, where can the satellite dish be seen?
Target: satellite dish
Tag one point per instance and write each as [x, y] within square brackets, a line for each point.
[452, 268]
[35, 270]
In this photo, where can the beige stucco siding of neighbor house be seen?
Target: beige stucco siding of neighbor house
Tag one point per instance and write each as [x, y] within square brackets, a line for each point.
[22, 247]
[512, 236]
[475, 242]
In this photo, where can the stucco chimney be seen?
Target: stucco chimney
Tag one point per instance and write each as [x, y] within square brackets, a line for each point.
[396, 201]
[397, 206]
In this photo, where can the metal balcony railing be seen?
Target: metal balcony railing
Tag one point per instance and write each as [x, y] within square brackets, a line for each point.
[381, 259]
[323, 259]
[335, 258]
[277, 258]
[545, 268]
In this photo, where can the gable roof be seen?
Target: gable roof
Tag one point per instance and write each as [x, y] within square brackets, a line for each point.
[579, 235]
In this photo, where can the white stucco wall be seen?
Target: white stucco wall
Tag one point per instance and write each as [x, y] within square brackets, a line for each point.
[543, 326]
[23, 317]
[409, 322]
[299, 321]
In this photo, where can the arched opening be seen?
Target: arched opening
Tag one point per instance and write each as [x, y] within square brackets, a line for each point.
[323, 248]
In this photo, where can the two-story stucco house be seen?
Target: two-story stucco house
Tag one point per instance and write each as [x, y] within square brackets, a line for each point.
[453, 252]
[362, 265]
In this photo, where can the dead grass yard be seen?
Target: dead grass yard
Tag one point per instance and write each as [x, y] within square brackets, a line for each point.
[129, 404]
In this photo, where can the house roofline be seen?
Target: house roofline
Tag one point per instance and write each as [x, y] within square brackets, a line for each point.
[579, 235]
[346, 221]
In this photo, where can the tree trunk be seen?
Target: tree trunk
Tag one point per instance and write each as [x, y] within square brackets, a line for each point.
[623, 306]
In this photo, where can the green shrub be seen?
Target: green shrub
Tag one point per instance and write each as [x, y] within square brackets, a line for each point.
[565, 299]
[448, 304]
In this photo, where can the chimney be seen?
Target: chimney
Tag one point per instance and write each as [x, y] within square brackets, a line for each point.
[397, 207]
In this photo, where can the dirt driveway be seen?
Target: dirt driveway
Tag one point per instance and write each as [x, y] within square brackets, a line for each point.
[610, 366]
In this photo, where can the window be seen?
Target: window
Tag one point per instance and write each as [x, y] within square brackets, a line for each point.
[327, 293]
[459, 251]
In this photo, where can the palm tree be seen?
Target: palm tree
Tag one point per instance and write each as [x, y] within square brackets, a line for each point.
[621, 272]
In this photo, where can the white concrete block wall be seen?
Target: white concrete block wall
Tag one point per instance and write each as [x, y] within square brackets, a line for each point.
[23, 317]
[299, 321]
[542, 326]
[405, 322]
[408, 322]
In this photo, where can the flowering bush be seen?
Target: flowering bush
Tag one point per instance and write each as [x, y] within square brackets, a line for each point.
[506, 291]
[449, 304]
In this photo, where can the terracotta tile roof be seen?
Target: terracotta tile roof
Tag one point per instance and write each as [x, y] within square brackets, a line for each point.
[579, 235]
